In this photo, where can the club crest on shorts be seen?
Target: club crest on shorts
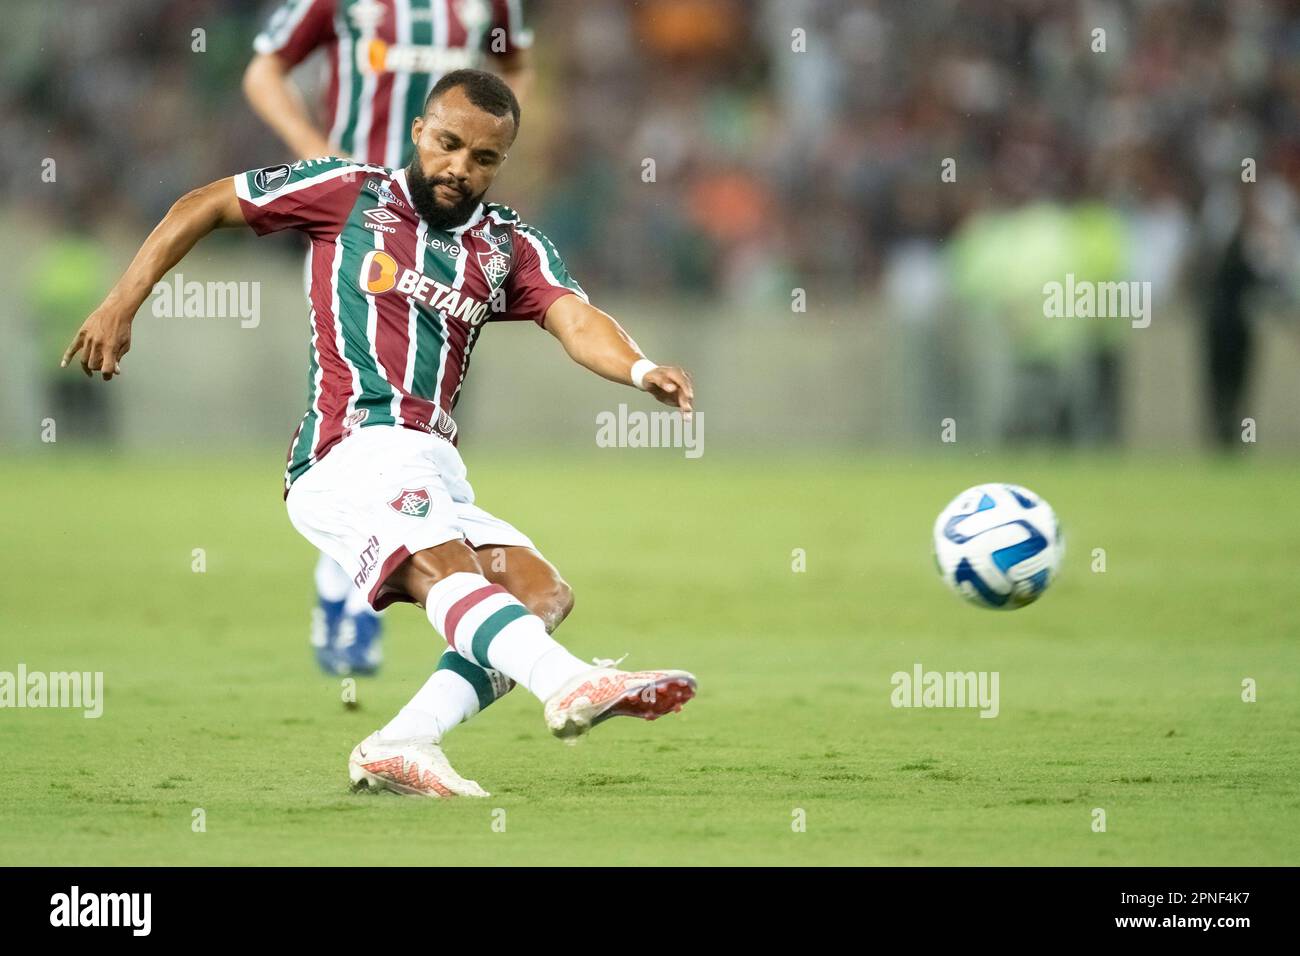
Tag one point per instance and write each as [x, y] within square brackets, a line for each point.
[412, 501]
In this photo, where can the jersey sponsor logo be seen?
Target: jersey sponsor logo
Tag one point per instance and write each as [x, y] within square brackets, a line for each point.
[384, 193]
[377, 56]
[484, 232]
[380, 273]
[356, 418]
[380, 219]
[368, 560]
[412, 502]
[271, 178]
[442, 245]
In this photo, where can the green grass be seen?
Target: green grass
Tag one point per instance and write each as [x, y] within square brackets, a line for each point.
[1119, 690]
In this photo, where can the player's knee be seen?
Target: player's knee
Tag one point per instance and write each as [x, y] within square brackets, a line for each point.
[554, 605]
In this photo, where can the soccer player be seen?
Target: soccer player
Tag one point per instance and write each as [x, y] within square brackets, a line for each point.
[383, 58]
[407, 266]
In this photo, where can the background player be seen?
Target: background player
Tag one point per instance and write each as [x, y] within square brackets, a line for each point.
[383, 57]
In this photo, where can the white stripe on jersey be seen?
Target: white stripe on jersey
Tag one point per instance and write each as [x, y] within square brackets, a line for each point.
[372, 335]
[320, 369]
[459, 283]
[281, 27]
[400, 179]
[345, 65]
[335, 305]
[515, 26]
[242, 191]
[315, 407]
[441, 33]
[474, 38]
[365, 109]
[398, 122]
[412, 313]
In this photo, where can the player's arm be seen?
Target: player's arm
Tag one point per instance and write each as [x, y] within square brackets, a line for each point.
[596, 342]
[106, 336]
[277, 100]
[516, 68]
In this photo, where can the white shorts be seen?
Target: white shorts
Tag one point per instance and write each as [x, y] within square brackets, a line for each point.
[384, 493]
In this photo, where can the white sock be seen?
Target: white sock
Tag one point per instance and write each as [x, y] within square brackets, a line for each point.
[491, 628]
[444, 701]
[332, 582]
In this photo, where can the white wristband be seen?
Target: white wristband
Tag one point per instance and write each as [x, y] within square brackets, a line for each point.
[639, 369]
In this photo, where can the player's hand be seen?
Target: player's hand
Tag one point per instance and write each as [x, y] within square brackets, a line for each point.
[672, 386]
[102, 340]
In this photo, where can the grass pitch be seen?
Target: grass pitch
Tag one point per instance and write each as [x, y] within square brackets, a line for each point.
[1120, 690]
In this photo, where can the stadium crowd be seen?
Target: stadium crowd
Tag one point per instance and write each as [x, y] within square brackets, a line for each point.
[794, 142]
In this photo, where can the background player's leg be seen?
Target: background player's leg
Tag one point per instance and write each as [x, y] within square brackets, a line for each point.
[332, 587]
[359, 650]
[345, 630]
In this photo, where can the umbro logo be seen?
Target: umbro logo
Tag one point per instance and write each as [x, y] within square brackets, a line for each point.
[380, 219]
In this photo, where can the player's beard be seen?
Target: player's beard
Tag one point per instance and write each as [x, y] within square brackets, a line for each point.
[437, 215]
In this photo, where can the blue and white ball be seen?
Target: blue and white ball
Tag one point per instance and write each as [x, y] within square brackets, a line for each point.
[998, 546]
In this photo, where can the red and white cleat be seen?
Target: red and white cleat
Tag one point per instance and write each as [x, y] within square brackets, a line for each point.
[604, 692]
[416, 768]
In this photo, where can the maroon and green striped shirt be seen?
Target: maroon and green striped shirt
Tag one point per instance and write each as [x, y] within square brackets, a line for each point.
[395, 306]
[384, 56]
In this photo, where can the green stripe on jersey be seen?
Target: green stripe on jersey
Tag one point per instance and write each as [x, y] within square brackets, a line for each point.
[429, 338]
[354, 311]
[347, 138]
[302, 448]
[420, 83]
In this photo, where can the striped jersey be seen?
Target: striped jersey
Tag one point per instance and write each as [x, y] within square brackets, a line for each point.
[384, 56]
[395, 306]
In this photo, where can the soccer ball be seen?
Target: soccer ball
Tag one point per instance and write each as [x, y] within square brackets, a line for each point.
[998, 546]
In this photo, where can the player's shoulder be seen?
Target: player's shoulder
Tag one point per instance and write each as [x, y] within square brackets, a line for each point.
[506, 216]
[307, 168]
[264, 184]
